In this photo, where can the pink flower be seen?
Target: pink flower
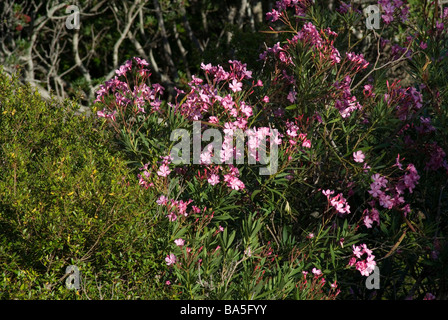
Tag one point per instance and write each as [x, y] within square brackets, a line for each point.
[429, 296]
[352, 261]
[164, 171]
[162, 200]
[316, 272]
[121, 71]
[101, 114]
[368, 221]
[172, 216]
[170, 259]
[375, 190]
[265, 99]
[292, 96]
[339, 203]
[272, 16]
[361, 266]
[179, 242]
[386, 201]
[367, 266]
[213, 179]
[235, 85]
[277, 140]
[378, 179]
[206, 157]
[235, 183]
[358, 156]
[357, 251]
[228, 128]
[141, 62]
[306, 143]
[213, 119]
[206, 67]
[246, 109]
[327, 192]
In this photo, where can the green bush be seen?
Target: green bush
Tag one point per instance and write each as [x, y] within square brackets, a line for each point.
[67, 198]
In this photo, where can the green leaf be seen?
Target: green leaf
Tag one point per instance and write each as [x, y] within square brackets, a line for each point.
[254, 194]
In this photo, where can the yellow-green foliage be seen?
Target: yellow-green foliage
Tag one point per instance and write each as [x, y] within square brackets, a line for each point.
[67, 198]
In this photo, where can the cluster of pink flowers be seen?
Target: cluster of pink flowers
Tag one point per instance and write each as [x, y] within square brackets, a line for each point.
[319, 278]
[308, 35]
[232, 178]
[407, 101]
[345, 102]
[357, 60]
[204, 96]
[437, 157]
[218, 101]
[295, 137]
[346, 8]
[390, 195]
[164, 169]
[371, 216]
[338, 202]
[144, 177]
[390, 7]
[300, 7]
[364, 266]
[176, 208]
[124, 97]
[324, 53]
[425, 127]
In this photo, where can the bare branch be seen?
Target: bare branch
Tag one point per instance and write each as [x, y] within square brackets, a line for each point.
[166, 45]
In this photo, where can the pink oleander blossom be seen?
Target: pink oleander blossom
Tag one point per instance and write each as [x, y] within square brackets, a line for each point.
[306, 143]
[179, 242]
[235, 86]
[358, 156]
[364, 266]
[162, 200]
[163, 171]
[170, 259]
[213, 179]
[316, 272]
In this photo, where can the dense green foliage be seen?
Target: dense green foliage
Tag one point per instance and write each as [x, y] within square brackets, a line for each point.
[68, 198]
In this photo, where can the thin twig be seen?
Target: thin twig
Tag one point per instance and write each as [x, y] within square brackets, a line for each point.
[375, 68]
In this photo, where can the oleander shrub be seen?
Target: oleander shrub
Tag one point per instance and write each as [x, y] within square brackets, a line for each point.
[360, 179]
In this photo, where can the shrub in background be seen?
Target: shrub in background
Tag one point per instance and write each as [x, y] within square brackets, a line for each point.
[68, 198]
